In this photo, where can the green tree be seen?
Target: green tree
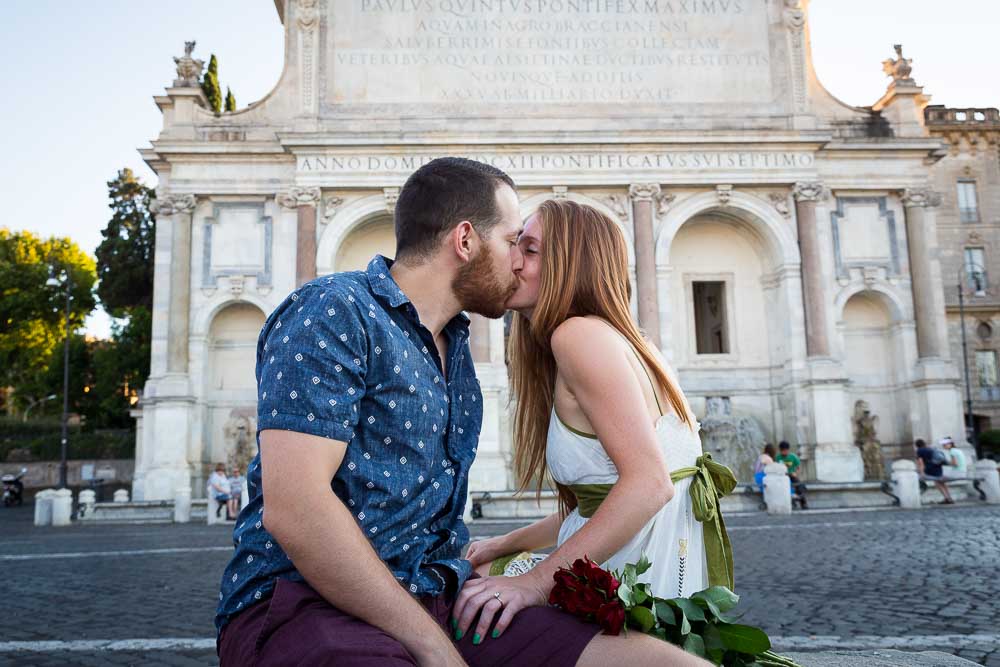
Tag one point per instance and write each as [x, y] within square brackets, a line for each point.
[210, 85]
[125, 267]
[230, 100]
[31, 312]
[125, 256]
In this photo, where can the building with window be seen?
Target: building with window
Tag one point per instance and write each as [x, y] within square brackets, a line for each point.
[968, 220]
[793, 256]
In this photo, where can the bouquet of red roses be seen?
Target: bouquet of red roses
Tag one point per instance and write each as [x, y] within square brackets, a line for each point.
[701, 624]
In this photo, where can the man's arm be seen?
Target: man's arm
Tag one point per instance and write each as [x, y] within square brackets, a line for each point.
[322, 538]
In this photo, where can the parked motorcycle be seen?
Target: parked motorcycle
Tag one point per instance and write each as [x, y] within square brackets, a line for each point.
[13, 488]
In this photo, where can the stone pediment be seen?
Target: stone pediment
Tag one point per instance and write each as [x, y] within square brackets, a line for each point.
[553, 64]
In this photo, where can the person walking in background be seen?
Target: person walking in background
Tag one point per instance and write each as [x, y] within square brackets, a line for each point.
[930, 466]
[793, 464]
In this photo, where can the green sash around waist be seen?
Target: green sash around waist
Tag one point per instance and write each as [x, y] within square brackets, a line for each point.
[711, 481]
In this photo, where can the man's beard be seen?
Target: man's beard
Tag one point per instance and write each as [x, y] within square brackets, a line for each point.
[480, 290]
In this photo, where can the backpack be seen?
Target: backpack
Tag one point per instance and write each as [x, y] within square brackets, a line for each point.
[938, 457]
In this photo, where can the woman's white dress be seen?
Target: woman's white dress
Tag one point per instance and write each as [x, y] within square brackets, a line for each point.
[672, 540]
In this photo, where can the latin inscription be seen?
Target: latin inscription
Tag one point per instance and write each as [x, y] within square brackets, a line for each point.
[522, 162]
[549, 51]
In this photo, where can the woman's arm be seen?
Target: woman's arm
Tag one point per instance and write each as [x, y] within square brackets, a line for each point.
[593, 361]
[539, 535]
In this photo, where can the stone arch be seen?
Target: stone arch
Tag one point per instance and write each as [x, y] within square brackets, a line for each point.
[232, 347]
[883, 292]
[529, 205]
[351, 217]
[872, 347]
[757, 216]
[202, 322]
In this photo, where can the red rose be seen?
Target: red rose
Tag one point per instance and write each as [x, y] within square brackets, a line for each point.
[590, 600]
[606, 581]
[611, 617]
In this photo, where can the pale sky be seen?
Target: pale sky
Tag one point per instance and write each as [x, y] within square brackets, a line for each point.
[80, 78]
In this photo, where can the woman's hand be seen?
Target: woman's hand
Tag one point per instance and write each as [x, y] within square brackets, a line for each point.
[485, 551]
[516, 593]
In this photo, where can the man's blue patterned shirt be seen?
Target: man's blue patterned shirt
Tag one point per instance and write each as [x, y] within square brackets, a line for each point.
[345, 357]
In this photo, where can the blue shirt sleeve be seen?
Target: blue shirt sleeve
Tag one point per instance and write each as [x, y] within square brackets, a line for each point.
[312, 364]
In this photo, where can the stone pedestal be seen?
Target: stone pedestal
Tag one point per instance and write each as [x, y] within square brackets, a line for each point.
[835, 457]
[986, 471]
[906, 483]
[777, 489]
[121, 496]
[182, 504]
[85, 501]
[62, 507]
[43, 507]
[936, 405]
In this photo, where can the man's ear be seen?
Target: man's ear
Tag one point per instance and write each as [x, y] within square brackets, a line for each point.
[464, 241]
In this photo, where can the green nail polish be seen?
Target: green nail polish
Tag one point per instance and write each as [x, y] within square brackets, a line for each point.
[476, 638]
[496, 633]
[458, 634]
[454, 624]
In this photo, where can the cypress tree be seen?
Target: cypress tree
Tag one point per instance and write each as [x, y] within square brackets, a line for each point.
[210, 85]
[230, 100]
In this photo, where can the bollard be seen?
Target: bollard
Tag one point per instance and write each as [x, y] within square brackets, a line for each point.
[62, 507]
[43, 507]
[86, 501]
[182, 504]
[989, 480]
[777, 489]
[210, 508]
[121, 496]
[906, 483]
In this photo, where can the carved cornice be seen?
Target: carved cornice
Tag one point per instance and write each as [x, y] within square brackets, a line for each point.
[560, 192]
[810, 191]
[924, 197]
[295, 197]
[643, 191]
[167, 204]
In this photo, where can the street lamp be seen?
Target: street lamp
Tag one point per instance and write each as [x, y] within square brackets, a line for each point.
[976, 275]
[64, 280]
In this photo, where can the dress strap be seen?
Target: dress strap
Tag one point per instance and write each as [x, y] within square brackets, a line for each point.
[649, 377]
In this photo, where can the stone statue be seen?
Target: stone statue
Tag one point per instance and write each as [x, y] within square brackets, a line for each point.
[899, 68]
[733, 440]
[188, 68]
[865, 437]
[240, 431]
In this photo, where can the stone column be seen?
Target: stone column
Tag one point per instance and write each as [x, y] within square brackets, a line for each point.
[642, 195]
[177, 211]
[919, 243]
[817, 338]
[304, 201]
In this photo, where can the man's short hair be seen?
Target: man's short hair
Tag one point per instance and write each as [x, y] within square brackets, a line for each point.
[919, 442]
[441, 194]
[784, 445]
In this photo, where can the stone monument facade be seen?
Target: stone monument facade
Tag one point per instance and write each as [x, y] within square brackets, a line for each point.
[782, 258]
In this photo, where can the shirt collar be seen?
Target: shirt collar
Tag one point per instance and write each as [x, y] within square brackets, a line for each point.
[384, 285]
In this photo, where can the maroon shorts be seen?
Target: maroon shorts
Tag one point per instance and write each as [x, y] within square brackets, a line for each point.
[297, 626]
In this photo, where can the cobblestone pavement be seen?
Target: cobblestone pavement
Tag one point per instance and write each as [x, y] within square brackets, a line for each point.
[913, 580]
